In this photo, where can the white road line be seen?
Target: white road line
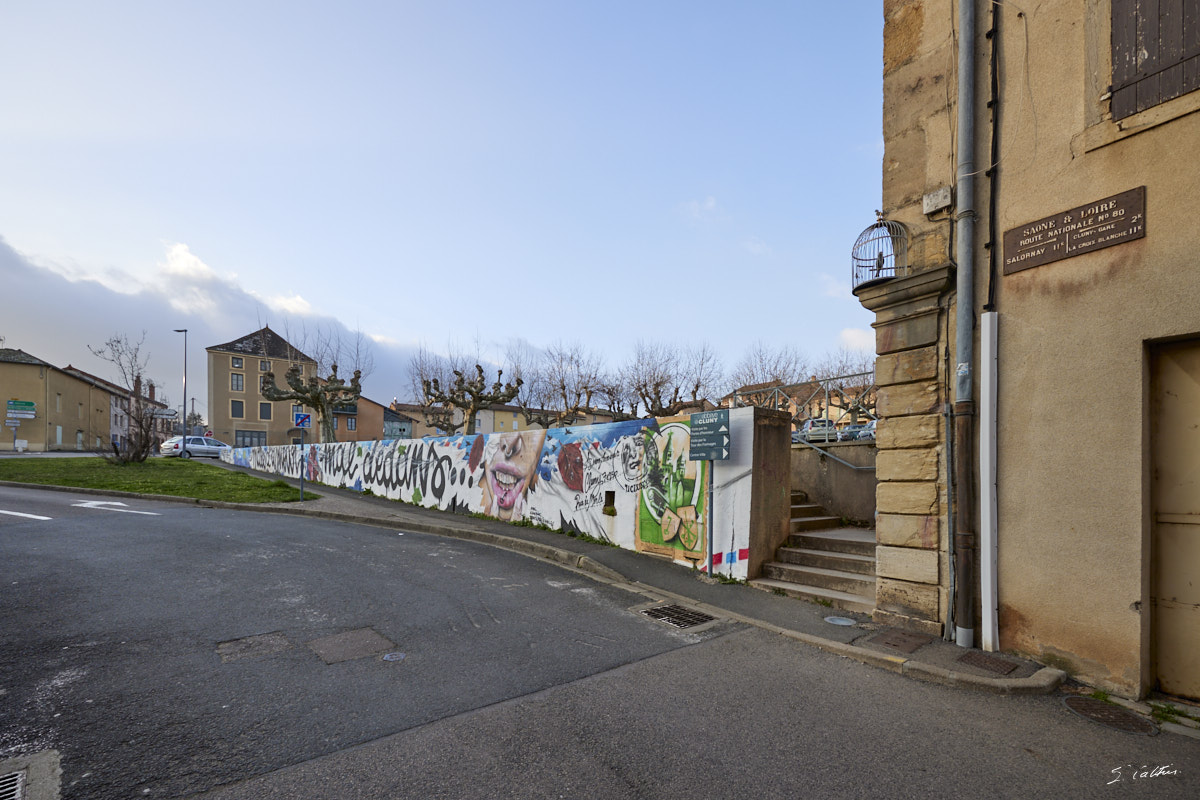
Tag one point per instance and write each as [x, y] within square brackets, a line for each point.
[19, 514]
[107, 505]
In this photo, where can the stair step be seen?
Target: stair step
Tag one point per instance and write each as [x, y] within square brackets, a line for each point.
[807, 510]
[837, 540]
[828, 559]
[835, 579]
[814, 523]
[834, 599]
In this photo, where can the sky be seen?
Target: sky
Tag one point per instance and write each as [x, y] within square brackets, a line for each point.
[437, 173]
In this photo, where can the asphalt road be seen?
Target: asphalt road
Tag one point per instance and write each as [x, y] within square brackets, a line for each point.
[182, 652]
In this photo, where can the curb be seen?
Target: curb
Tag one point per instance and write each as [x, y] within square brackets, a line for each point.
[1044, 681]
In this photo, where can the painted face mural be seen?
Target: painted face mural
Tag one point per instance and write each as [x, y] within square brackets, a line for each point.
[511, 471]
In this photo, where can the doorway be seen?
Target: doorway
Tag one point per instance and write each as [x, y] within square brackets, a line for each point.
[1175, 533]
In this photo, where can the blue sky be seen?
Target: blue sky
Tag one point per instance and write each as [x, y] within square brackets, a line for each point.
[438, 173]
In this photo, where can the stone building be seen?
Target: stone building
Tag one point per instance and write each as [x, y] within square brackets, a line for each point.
[1037, 325]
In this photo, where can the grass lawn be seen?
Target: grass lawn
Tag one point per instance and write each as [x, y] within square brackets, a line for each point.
[170, 476]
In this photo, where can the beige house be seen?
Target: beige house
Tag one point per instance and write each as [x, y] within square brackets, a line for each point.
[50, 409]
[238, 414]
[122, 402]
[1038, 333]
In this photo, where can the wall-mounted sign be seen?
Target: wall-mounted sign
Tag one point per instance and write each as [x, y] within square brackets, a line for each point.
[710, 436]
[1113, 220]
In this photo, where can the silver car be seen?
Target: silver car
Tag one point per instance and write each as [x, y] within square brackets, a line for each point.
[205, 446]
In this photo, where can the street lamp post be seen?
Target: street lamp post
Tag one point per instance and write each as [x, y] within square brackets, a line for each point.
[184, 452]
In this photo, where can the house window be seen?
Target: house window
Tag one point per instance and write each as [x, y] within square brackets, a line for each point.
[249, 438]
[335, 423]
[264, 366]
[500, 424]
[237, 382]
[264, 410]
[81, 410]
[297, 409]
[1154, 55]
[237, 409]
[351, 424]
[58, 404]
[236, 362]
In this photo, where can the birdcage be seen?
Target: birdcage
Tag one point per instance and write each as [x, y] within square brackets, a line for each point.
[880, 253]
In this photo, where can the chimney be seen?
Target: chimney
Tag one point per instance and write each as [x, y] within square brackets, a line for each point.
[137, 387]
[151, 391]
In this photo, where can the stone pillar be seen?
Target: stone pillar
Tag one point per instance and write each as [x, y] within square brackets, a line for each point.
[911, 337]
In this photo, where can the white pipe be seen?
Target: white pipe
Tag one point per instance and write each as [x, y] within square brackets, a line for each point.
[989, 337]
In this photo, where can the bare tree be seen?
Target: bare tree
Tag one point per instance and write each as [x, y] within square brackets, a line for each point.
[131, 361]
[470, 395]
[558, 384]
[615, 397]
[323, 395]
[668, 380]
[765, 364]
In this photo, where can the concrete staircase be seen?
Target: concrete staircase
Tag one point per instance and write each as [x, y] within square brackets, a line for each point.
[823, 561]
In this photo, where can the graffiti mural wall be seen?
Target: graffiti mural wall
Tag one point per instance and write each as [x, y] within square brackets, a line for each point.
[628, 483]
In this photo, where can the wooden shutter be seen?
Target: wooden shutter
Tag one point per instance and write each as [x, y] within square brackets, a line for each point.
[1155, 53]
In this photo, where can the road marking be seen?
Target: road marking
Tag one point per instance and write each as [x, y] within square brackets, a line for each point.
[105, 505]
[27, 516]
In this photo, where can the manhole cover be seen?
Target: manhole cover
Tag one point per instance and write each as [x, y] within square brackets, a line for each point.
[678, 616]
[839, 621]
[1000, 666]
[904, 641]
[12, 786]
[346, 646]
[1110, 715]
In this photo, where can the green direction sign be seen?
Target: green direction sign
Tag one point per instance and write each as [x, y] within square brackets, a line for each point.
[22, 405]
[710, 436]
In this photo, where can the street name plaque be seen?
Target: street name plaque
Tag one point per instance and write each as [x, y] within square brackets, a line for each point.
[1114, 220]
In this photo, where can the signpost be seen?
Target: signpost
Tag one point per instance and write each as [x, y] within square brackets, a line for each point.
[303, 422]
[18, 410]
[709, 442]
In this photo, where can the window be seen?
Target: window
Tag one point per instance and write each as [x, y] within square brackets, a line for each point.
[351, 424]
[237, 382]
[264, 410]
[249, 438]
[297, 409]
[58, 404]
[1155, 53]
[81, 410]
[237, 409]
[335, 423]
[264, 366]
[500, 424]
[235, 362]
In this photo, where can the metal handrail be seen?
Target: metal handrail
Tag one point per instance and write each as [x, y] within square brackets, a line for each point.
[835, 458]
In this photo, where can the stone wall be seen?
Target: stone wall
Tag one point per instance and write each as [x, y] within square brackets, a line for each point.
[837, 488]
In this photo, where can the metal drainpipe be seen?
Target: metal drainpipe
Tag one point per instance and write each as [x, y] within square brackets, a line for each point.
[964, 405]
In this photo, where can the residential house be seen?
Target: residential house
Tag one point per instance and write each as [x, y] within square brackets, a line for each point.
[1033, 276]
[50, 408]
[122, 401]
[238, 414]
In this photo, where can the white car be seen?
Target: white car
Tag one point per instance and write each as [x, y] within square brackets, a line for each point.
[818, 430]
[205, 446]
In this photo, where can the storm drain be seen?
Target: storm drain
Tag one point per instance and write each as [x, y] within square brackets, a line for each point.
[974, 658]
[1110, 715]
[678, 616]
[12, 786]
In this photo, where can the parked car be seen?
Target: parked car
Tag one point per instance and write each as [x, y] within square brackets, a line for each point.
[868, 432]
[818, 430]
[850, 432]
[203, 446]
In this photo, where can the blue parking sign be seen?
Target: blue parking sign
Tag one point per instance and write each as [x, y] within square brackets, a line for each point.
[303, 420]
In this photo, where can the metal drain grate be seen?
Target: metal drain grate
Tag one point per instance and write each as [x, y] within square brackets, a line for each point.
[904, 641]
[974, 658]
[1110, 715]
[678, 616]
[12, 786]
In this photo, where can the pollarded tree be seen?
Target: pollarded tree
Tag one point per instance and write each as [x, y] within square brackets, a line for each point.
[322, 395]
[668, 380]
[469, 395]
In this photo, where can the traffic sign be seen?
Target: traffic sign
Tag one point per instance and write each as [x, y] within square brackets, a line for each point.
[165, 414]
[22, 405]
[21, 415]
[12, 423]
[710, 436]
[303, 420]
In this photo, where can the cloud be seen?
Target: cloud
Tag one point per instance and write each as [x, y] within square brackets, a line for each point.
[756, 246]
[700, 209]
[832, 287]
[857, 339]
[290, 305]
[62, 311]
